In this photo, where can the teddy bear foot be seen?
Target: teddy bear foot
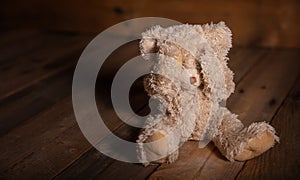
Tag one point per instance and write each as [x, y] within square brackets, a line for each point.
[256, 146]
[158, 149]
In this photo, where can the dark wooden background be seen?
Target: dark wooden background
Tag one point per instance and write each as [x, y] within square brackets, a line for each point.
[268, 23]
[40, 44]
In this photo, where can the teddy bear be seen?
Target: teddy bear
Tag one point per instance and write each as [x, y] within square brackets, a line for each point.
[191, 82]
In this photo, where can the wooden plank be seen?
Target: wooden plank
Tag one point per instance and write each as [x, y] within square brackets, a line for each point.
[86, 166]
[123, 170]
[281, 162]
[58, 53]
[277, 73]
[21, 106]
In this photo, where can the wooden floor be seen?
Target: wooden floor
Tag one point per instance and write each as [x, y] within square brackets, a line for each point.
[39, 136]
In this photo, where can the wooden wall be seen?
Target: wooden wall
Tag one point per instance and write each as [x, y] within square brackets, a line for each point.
[268, 23]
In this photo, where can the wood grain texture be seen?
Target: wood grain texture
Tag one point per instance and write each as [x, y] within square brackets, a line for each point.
[110, 168]
[17, 43]
[35, 87]
[21, 106]
[268, 23]
[56, 54]
[242, 60]
[265, 87]
[88, 165]
[42, 142]
[252, 103]
[283, 161]
[38, 79]
[9, 37]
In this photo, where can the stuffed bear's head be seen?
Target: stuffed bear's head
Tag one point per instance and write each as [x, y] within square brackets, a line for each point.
[190, 46]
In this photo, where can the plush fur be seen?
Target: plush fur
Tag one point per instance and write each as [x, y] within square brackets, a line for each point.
[191, 80]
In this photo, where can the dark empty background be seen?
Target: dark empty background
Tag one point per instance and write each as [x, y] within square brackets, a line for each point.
[269, 23]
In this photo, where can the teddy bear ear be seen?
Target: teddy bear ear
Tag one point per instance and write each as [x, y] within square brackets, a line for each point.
[148, 45]
[219, 37]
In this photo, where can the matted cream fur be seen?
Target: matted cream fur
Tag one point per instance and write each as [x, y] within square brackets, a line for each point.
[192, 92]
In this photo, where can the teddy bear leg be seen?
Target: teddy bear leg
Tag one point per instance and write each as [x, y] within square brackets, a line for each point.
[237, 142]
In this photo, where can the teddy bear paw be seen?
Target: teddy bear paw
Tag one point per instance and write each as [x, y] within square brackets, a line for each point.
[256, 146]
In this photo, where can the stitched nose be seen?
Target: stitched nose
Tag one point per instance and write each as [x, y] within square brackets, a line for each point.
[193, 80]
